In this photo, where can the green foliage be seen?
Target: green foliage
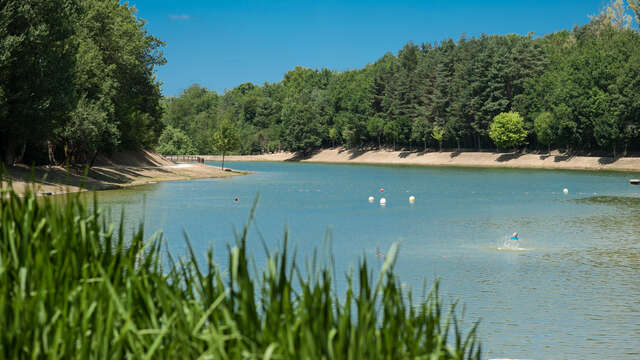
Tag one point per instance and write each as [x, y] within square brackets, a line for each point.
[333, 135]
[129, 54]
[507, 130]
[587, 78]
[73, 286]
[175, 142]
[78, 75]
[438, 134]
[196, 113]
[302, 126]
[225, 138]
[37, 62]
[420, 131]
[375, 127]
[391, 132]
[544, 128]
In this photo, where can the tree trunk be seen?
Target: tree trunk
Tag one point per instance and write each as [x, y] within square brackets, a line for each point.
[51, 149]
[10, 154]
[68, 154]
[379, 144]
[425, 145]
[20, 157]
[93, 159]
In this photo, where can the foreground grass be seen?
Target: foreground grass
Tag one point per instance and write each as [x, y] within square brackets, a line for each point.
[72, 287]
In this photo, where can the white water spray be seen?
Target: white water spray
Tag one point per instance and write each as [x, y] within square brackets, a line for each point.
[509, 244]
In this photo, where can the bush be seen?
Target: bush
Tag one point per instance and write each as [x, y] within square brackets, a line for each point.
[507, 130]
[72, 287]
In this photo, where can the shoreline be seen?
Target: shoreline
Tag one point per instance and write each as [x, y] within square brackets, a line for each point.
[554, 160]
[56, 180]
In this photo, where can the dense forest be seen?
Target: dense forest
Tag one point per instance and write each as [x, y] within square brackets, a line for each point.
[76, 79]
[577, 91]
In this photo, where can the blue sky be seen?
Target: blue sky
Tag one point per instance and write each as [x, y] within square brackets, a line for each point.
[220, 44]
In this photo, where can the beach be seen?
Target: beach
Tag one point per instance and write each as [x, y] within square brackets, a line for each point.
[554, 160]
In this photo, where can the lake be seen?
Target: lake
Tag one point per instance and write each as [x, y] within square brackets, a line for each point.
[571, 290]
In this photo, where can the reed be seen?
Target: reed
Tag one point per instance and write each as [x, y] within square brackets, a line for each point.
[73, 286]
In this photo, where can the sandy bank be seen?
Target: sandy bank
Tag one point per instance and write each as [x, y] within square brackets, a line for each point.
[465, 159]
[150, 168]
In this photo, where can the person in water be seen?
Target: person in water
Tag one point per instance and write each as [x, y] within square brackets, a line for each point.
[514, 236]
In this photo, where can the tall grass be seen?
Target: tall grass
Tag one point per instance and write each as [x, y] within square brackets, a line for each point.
[72, 287]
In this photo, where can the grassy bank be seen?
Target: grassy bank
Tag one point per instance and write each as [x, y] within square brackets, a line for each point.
[72, 286]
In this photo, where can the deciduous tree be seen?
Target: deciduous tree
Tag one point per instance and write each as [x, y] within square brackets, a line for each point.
[507, 130]
[225, 138]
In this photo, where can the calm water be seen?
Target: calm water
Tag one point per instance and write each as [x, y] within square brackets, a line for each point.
[574, 293]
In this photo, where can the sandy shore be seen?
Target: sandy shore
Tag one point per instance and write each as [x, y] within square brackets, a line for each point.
[152, 168]
[464, 159]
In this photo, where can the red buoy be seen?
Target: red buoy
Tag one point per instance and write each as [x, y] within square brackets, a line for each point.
[236, 199]
[381, 190]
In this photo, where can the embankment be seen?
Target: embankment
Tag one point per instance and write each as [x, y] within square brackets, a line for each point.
[120, 170]
[463, 159]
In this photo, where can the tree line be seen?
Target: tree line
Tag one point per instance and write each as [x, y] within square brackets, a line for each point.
[575, 90]
[76, 79]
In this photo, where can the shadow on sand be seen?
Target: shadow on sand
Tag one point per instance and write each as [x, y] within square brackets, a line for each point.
[508, 156]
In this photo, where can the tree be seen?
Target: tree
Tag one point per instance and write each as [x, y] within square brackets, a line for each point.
[420, 131]
[438, 134]
[544, 128]
[37, 58]
[302, 130]
[507, 130]
[196, 112]
[88, 132]
[635, 6]
[375, 127]
[334, 135]
[392, 131]
[459, 86]
[615, 14]
[607, 127]
[225, 138]
[175, 142]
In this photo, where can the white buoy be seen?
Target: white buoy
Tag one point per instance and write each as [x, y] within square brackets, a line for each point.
[412, 199]
[371, 199]
[565, 191]
[383, 201]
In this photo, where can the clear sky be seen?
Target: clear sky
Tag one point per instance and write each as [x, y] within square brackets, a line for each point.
[220, 44]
